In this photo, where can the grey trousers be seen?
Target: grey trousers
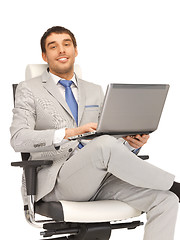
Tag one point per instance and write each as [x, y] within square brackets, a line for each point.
[106, 169]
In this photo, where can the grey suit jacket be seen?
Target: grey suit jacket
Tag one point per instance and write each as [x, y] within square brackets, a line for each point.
[39, 111]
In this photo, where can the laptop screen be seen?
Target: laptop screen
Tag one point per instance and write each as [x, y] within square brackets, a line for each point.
[132, 108]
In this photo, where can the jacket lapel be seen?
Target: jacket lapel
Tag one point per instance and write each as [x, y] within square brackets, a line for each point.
[82, 99]
[53, 90]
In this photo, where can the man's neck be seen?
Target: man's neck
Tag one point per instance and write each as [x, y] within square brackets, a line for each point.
[66, 76]
[56, 78]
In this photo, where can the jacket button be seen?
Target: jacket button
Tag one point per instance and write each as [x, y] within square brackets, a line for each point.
[70, 149]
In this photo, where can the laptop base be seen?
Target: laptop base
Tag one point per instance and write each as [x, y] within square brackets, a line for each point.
[92, 135]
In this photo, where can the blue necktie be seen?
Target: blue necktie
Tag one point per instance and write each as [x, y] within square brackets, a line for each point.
[71, 101]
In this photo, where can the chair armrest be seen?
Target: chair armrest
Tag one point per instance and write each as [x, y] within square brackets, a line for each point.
[32, 163]
[143, 157]
[30, 170]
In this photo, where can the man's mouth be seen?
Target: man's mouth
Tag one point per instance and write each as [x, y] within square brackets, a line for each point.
[63, 59]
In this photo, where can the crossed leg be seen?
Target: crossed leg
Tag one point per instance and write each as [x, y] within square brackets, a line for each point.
[161, 207]
[143, 186]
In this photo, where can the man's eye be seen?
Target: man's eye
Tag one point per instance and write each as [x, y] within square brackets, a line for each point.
[53, 47]
[67, 43]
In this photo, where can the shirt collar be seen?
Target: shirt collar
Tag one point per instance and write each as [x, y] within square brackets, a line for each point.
[56, 78]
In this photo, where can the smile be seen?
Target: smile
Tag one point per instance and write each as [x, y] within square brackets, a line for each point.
[63, 59]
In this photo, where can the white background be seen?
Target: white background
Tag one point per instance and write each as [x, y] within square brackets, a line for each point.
[128, 41]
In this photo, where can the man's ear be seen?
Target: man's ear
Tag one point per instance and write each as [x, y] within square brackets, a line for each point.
[44, 57]
[76, 52]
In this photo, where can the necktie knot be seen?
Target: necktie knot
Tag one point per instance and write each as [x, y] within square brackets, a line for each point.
[65, 83]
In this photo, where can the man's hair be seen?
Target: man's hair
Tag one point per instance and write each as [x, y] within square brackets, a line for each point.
[58, 30]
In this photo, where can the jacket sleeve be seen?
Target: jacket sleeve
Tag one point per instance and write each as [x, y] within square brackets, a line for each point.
[24, 137]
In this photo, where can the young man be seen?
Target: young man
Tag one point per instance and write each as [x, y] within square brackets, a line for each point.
[57, 105]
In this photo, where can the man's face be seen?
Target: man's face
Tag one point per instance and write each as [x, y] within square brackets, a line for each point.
[60, 55]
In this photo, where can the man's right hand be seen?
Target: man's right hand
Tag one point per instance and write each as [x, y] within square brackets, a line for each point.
[89, 127]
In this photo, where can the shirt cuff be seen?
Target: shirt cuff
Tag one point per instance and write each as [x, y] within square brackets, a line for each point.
[129, 146]
[59, 137]
[136, 151]
[132, 149]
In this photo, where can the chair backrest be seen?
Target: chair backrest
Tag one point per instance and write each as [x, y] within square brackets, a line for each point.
[34, 70]
[24, 156]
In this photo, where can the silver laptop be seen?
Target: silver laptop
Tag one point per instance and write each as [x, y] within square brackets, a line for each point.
[129, 109]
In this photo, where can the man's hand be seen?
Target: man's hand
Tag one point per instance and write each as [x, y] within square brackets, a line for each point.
[137, 141]
[89, 127]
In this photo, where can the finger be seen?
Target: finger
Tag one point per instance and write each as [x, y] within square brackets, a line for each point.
[140, 138]
[125, 138]
[134, 142]
[93, 125]
[133, 139]
[134, 145]
[91, 129]
[144, 138]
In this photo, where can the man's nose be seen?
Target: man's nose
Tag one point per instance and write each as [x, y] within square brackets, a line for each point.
[61, 49]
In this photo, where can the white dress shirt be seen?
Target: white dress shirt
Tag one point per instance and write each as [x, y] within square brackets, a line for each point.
[60, 133]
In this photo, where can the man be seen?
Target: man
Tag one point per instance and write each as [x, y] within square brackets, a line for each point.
[57, 105]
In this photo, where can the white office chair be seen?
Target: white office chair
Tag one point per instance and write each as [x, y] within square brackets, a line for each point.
[82, 220]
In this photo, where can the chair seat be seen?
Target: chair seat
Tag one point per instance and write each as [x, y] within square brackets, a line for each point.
[94, 211]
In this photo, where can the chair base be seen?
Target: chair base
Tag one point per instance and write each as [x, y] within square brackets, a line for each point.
[85, 231]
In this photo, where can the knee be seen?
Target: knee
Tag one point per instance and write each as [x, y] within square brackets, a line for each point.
[105, 140]
[103, 147]
[165, 202]
[171, 201]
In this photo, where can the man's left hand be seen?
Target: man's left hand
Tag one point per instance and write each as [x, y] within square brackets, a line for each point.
[137, 141]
